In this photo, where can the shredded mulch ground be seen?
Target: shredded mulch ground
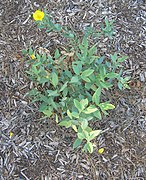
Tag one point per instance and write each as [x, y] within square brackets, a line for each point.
[40, 150]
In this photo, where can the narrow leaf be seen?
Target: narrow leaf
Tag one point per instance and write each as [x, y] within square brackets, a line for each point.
[74, 128]
[90, 147]
[69, 114]
[54, 79]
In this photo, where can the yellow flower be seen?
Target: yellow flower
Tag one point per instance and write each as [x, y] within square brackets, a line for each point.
[11, 134]
[101, 150]
[38, 15]
[32, 56]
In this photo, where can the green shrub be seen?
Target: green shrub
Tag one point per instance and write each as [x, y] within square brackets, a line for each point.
[69, 84]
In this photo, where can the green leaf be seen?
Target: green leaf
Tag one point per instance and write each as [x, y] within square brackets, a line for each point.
[75, 114]
[93, 134]
[68, 73]
[85, 78]
[48, 111]
[33, 92]
[84, 124]
[38, 57]
[122, 59]
[74, 128]
[24, 51]
[54, 79]
[30, 51]
[106, 106]
[57, 27]
[127, 78]
[100, 60]
[57, 54]
[53, 104]
[88, 85]
[67, 124]
[90, 147]
[105, 85]
[77, 143]
[68, 35]
[87, 72]
[85, 42]
[77, 68]
[120, 85]
[43, 106]
[65, 92]
[90, 109]
[111, 75]
[63, 87]
[78, 105]
[88, 129]
[114, 57]
[74, 79]
[69, 114]
[52, 93]
[97, 114]
[56, 118]
[96, 96]
[81, 136]
[92, 50]
[84, 102]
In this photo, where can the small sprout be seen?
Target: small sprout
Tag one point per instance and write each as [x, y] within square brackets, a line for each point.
[38, 15]
[11, 134]
[101, 150]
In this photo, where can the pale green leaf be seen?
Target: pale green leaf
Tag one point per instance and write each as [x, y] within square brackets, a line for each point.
[84, 124]
[56, 118]
[78, 105]
[106, 106]
[69, 114]
[74, 128]
[84, 102]
[90, 147]
[67, 124]
[93, 134]
[90, 109]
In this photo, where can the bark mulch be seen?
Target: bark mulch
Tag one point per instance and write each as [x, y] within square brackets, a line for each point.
[40, 150]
